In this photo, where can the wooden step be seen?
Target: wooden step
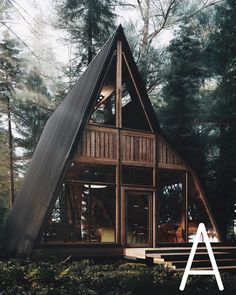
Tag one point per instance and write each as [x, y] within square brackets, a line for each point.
[188, 249]
[185, 256]
[177, 257]
[227, 267]
[205, 263]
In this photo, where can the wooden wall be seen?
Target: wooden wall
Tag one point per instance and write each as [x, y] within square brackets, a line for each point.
[167, 157]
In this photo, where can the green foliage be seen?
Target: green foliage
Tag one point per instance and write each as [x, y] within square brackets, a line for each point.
[89, 24]
[31, 112]
[181, 106]
[10, 80]
[22, 276]
[221, 57]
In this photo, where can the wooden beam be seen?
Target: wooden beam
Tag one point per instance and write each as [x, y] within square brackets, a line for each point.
[118, 125]
[186, 193]
[172, 167]
[119, 84]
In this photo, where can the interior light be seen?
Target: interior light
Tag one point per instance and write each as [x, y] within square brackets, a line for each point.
[135, 206]
[146, 208]
[95, 186]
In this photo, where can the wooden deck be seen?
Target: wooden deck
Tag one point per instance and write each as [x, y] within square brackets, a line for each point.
[176, 257]
[78, 250]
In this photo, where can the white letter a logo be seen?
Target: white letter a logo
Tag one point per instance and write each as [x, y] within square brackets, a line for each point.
[214, 271]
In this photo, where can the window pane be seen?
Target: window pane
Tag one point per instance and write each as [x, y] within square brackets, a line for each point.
[82, 213]
[133, 113]
[137, 175]
[91, 173]
[104, 110]
[137, 219]
[171, 207]
[197, 214]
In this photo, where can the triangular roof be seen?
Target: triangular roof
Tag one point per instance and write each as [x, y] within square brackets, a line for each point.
[61, 133]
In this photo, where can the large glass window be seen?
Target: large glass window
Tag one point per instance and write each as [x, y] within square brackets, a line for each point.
[133, 113]
[105, 108]
[171, 208]
[197, 213]
[84, 211]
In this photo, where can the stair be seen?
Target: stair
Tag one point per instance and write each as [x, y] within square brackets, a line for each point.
[177, 257]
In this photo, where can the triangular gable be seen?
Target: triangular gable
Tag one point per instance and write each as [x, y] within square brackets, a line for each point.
[61, 133]
[60, 139]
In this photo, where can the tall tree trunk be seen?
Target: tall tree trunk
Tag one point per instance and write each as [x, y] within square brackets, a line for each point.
[146, 20]
[10, 144]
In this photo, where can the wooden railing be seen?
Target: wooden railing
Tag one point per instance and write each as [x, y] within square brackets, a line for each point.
[101, 144]
[138, 147]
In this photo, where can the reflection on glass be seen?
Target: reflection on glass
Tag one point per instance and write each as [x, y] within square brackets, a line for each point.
[91, 173]
[137, 218]
[82, 213]
[171, 207]
[105, 109]
[133, 114]
[197, 214]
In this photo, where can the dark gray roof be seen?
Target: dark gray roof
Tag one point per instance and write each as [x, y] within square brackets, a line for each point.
[61, 132]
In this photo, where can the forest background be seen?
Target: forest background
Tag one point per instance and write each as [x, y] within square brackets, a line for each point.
[185, 50]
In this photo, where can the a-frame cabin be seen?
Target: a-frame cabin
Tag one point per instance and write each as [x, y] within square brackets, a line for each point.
[103, 177]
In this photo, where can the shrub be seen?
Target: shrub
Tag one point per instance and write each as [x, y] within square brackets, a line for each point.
[22, 276]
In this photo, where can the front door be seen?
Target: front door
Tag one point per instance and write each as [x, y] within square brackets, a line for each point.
[138, 218]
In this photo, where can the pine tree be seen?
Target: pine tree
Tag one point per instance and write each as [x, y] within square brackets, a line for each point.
[4, 177]
[10, 78]
[181, 110]
[89, 24]
[32, 110]
[222, 64]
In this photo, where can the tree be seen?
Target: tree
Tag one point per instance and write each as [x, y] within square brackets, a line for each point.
[221, 55]
[4, 177]
[89, 24]
[181, 110]
[10, 78]
[32, 109]
[155, 19]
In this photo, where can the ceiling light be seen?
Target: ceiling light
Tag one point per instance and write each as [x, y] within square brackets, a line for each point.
[95, 186]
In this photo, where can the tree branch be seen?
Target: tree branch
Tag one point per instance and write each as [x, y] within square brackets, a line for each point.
[141, 9]
[165, 18]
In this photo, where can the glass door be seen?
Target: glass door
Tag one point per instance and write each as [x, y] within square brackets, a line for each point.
[138, 218]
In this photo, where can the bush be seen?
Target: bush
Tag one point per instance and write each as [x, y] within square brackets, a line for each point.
[22, 276]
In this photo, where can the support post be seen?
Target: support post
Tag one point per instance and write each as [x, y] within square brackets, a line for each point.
[118, 125]
[186, 208]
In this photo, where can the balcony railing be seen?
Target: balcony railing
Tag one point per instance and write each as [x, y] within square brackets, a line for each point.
[101, 144]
